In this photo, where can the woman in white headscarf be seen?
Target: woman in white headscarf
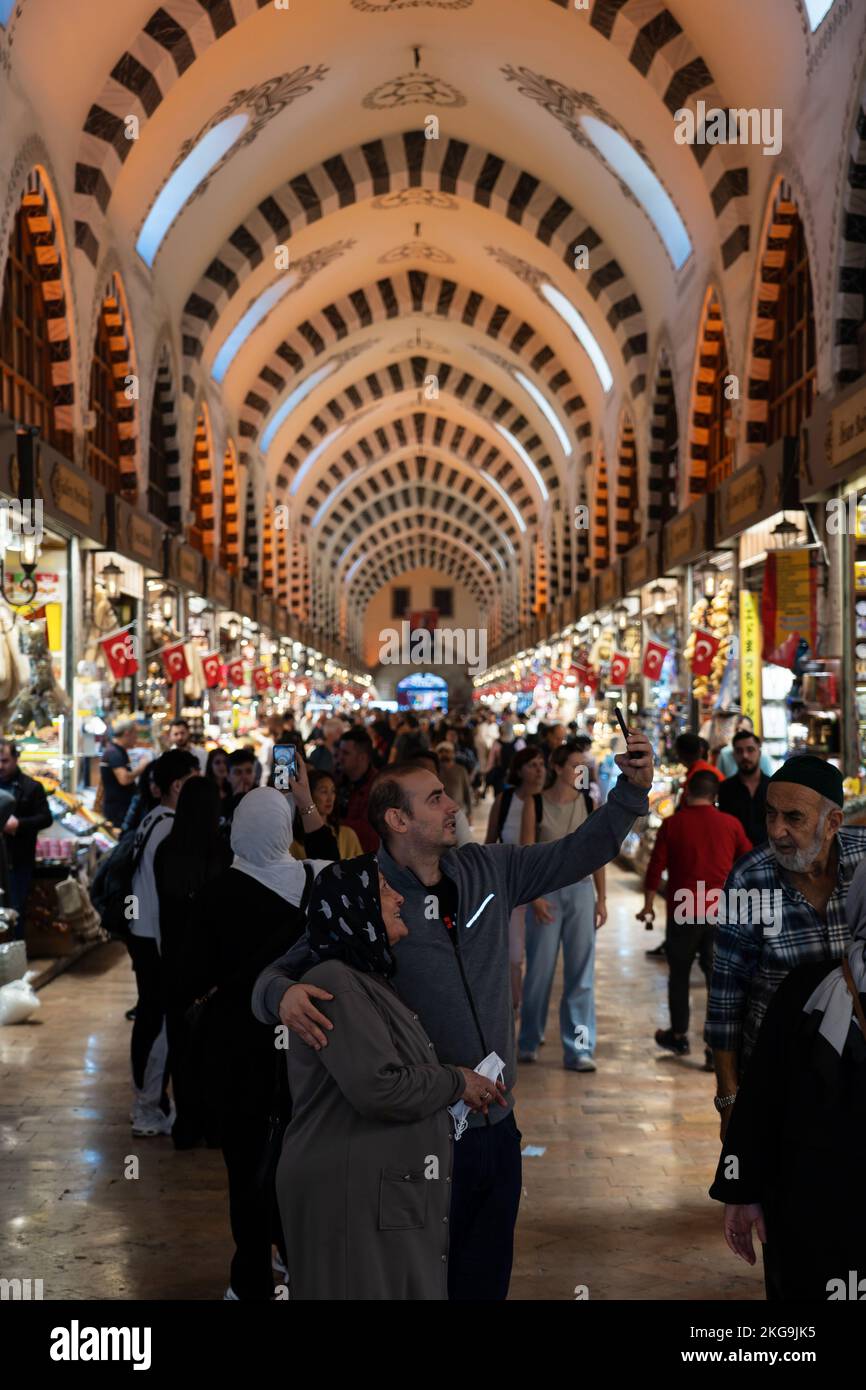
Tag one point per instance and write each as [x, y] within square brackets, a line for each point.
[795, 1150]
[245, 918]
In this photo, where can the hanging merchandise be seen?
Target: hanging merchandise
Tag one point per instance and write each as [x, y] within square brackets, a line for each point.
[40, 699]
[119, 651]
[619, 668]
[653, 660]
[709, 643]
[174, 662]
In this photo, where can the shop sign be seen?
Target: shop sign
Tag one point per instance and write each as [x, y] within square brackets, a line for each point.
[608, 587]
[848, 429]
[70, 495]
[750, 657]
[186, 565]
[757, 491]
[788, 606]
[640, 565]
[10, 473]
[685, 537]
[219, 586]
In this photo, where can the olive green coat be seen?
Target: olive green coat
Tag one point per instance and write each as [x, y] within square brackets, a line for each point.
[364, 1180]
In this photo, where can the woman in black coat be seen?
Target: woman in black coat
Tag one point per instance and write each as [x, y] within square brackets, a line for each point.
[193, 853]
[795, 1148]
[244, 919]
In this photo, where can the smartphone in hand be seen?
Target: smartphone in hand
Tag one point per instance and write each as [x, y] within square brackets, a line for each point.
[285, 765]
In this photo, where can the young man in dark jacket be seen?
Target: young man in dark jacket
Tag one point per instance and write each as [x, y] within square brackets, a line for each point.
[454, 972]
[21, 824]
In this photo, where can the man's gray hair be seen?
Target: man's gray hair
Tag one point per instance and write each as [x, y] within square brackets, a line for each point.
[123, 727]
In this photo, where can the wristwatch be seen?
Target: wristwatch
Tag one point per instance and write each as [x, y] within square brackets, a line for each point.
[722, 1102]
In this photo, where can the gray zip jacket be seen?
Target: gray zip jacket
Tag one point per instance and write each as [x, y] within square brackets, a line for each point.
[459, 982]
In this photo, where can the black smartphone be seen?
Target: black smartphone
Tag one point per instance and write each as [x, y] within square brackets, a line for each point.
[285, 765]
[621, 722]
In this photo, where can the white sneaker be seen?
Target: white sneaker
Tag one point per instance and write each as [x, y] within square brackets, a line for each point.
[585, 1064]
[147, 1123]
[230, 1296]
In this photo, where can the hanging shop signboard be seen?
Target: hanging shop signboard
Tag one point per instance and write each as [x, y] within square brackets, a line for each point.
[757, 491]
[833, 440]
[135, 535]
[245, 600]
[9, 470]
[750, 657]
[608, 586]
[219, 587]
[641, 565]
[185, 565]
[788, 606]
[688, 535]
[69, 495]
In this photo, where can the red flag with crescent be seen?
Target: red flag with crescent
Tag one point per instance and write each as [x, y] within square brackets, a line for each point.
[706, 646]
[277, 680]
[261, 678]
[235, 673]
[212, 668]
[653, 660]
[119, 649]
[619, 668]
[174, 662]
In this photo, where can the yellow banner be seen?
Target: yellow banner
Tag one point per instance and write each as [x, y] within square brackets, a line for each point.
[751, 642]
[793, 596]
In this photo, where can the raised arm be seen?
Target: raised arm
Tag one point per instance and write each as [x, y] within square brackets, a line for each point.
[366, 1066]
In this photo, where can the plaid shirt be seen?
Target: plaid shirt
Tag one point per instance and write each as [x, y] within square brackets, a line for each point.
[750, 963]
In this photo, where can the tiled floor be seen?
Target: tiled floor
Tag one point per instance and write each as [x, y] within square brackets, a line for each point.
[617, 1202]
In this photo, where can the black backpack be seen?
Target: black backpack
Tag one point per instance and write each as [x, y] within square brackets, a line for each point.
[112, 882]
[505, 803]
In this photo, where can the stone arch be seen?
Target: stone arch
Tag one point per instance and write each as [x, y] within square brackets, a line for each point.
[201, 529]
[251, 537]
[230, 547]
[849, 360]
[709, 420]
[164, 421]
[601, 516]
[663, 479]
[626, 519]
[114, 311]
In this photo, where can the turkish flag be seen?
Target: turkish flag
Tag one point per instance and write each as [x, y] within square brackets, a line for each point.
[556, 679]
[119, 648]
[261, 679]
[175, 663]
[619, 668]
[653, 659]
[234, 673]
[580, 673]
[212, 668]
[706, 646]
[277, 680]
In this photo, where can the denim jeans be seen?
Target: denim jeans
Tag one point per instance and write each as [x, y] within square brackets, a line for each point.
[573, 925]
[20, 879]
[485, 1196]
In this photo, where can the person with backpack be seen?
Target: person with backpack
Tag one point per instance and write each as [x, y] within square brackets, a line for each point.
[572, 916]
[515, 817]
[502, 751]
[152, 1112]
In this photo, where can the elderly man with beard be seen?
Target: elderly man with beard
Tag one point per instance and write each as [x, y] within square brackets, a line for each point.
[800, 879]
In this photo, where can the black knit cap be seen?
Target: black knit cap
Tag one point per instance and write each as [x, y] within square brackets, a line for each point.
[808, 771]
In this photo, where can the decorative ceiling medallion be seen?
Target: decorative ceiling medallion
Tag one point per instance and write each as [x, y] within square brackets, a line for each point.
[305, 267]
[566, 106]
[416, 250]
[413, 89]
[263, 103]
[415, 197]
[383, 6]
[529, 274]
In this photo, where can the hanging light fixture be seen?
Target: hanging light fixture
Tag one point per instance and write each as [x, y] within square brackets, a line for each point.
[658, 594]
[709, 584]
[110, 576]
[786, 533]
[620, 612]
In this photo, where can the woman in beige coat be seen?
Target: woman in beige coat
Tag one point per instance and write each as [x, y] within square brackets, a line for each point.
[364, 1180]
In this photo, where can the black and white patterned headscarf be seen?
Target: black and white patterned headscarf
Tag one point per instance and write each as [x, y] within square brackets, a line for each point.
[345, 917]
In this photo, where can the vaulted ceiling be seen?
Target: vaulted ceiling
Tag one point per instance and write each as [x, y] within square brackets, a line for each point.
[432, 169]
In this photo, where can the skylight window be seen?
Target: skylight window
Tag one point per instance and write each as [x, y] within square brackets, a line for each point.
[817, 10]
[624, 159]
[6, 8]
[299, 394]
[312, 457]
[183, 183]
[547, 411]
[522, 454]
[247, 323]
[581, 330]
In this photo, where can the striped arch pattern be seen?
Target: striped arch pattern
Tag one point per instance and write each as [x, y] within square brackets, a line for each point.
[663, 481]
[395, 537]
[348, 523]
[425, 431]
[401, 376]
[175, 35]
[601, 519]
[389, 166]
[230, 544]
[123, 365]
[202, 465]
[299, 567]
[269, 555]
[783, 223]
[37, 208]
[166, 404]
[398, 558]
[282, 537]
[655, 44]
[583, 571]
[413, 291]
[711, 344]
[251, 538]
[851, 287]
[626, 525]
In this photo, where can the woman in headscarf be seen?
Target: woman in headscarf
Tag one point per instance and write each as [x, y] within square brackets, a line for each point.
[243, 920]
[795, 1148]
[364, 1181]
